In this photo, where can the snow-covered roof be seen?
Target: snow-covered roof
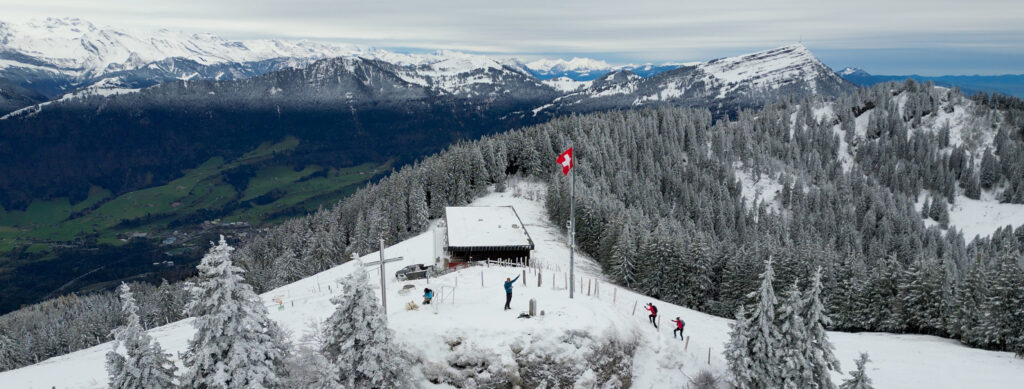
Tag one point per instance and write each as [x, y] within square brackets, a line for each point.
[490, 227]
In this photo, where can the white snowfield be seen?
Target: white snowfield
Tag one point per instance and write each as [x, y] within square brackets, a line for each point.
[469, 303]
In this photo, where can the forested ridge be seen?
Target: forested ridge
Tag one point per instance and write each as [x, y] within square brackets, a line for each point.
[661, 206]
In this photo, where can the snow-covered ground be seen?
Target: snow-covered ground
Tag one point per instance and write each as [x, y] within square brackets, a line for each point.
[469, 306]
[979, 217]
[763, 190]
[566, 84]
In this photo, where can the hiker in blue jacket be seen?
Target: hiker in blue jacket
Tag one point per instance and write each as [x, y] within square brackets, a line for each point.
[508, 291]
[427, 295]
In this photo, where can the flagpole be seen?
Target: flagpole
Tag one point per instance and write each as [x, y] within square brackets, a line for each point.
[572, 222]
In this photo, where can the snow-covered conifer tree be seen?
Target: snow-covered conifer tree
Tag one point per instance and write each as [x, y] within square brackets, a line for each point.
[235, 345]
[819, 349]
[358, 342]
[1004, 305]
[762, 338]
[796, 370]
[6, 352]
[698, 273]
[144, 364]
[858, 378]
[623, 257]
[737, 352]
[419, 214]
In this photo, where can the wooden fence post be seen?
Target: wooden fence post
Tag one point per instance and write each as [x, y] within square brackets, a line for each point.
[481, 279]
[634, 307]
[588, 287]
[687, 345]
[524, 277]
[709, 355]
[539, 277]
[614, 293]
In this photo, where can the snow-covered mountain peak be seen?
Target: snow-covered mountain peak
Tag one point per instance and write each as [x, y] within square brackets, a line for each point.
[770, 69]
[574, 64]
[458, 62]
[76, 45]
[848, 71]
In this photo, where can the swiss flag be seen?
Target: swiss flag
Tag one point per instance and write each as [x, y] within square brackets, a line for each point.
[565, 159]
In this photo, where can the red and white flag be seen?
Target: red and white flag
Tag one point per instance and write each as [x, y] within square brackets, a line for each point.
[565, 159]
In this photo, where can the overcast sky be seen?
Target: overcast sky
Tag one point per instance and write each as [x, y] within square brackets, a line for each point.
[928, 37]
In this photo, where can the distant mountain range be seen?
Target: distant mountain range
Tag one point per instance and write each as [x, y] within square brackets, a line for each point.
[91, 114]
[586, 69]
[50, 58]
[1007, 84]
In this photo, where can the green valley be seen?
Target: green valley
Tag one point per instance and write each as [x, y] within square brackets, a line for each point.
[173, 219]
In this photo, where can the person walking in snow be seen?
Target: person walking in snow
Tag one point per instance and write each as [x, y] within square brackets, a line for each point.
[654, 313]
[427, 295]
[679, 327]
[508, 291]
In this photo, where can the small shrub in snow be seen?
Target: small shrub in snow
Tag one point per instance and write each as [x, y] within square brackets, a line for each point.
[704, 380]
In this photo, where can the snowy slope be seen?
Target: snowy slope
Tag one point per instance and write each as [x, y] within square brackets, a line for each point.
[566, 84]
[980, 217]
[770, 69]
[472, 311]
[973, 132]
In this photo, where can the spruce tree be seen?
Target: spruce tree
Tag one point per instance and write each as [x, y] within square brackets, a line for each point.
[939, 212]
[764, 337]
[1004, 305]
[419, 214]
[859, 378]
[697, 275]
[144, 364]
[737, 352]
[819, 348]
[969, 318]
[624, 257]
[973, 188]
[7, 361]
[796, 370]
[989, 170]
[235, 345]
[357, 341]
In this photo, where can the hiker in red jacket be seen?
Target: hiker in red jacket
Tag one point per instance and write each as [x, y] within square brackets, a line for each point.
[679, 327]
[654, 313]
